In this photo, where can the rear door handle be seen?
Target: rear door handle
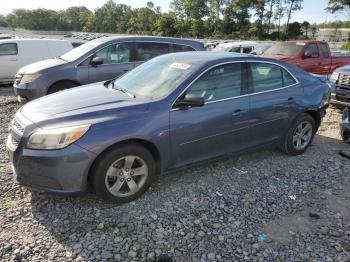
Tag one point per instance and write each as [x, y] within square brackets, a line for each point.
[13, 59]
[238, 112]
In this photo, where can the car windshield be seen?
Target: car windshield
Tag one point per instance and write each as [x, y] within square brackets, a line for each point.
[285, 49]
[77, 52]
[156, 78]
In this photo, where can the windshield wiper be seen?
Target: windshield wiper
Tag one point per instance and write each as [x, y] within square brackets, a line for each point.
[123, 90]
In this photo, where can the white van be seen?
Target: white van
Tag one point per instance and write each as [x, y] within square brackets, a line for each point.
[16, 53]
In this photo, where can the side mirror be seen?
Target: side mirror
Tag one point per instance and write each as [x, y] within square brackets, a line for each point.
[307, 54]
[96, 61]
[190, 100]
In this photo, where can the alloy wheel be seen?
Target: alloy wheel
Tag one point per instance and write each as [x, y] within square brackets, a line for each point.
[302, 135]
[126, 176]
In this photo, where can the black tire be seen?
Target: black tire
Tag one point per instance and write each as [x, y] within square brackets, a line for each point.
[287, 145]
[61, 86]
[104, 163]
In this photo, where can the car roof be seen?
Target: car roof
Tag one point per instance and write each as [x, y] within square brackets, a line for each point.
[205, 57]
[12, 40]
[145, 38]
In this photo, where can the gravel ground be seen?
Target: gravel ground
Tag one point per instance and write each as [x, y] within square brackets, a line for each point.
[262, 206]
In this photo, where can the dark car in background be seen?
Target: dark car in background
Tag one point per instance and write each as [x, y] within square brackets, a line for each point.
[97, 60]
[340, 86]
[172, 111]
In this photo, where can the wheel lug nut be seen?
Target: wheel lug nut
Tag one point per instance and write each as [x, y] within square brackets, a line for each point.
[122, 179]
[132, 172]
[121, 173]
[128, 179]
[127, 169]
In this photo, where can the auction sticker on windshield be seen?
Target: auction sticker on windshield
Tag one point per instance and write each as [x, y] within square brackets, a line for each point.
[181, 66]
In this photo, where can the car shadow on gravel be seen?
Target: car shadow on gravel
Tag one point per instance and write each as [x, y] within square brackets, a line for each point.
[246, 194]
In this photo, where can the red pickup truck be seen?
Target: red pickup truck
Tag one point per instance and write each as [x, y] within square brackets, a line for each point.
[313, 56]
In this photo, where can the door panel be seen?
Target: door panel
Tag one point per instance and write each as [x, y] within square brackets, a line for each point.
[273, 102]
[10, 61]
[209, 131]
[117, 61]
[312, 65]
[218, 127]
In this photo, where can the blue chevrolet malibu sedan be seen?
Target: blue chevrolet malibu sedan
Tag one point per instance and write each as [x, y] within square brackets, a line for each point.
[172, 111]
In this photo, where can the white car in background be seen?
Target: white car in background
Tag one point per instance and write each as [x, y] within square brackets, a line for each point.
[244, 47]
[16, 53]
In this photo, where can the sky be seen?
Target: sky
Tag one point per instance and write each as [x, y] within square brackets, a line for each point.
[313, 10]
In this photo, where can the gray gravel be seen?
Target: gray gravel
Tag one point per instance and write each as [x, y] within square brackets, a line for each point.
[212, 212]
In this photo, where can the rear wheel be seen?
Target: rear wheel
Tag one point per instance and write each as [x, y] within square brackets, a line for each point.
[124, 173]
[299, 136]
[60, 86]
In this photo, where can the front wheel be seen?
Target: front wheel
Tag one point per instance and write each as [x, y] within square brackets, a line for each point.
[299, 136]
[124, 173]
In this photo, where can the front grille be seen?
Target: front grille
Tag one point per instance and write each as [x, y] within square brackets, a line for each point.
[344, 79]
[16, 132]
[14, 141]
[18, 126]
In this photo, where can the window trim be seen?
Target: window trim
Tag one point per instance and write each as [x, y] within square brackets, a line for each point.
[79, 64]
[10, 43]
[173, 44]
[171, 50]
[252, 90]
[318, 51]
[323, 44]
[141, 61]
[172, 108]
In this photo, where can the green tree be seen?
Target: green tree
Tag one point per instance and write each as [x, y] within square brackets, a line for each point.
[294, 31]
[293, 5]
[166, 24]
[236, 18]
[191, 13]
[76, 17]
[305, 26]
[3, 22]
[343, 6]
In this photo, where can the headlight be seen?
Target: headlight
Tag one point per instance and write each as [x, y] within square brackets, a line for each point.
[334, 77]
[29, 78]
[56, 138]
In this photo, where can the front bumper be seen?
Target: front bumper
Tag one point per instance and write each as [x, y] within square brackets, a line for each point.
[29, 91]
[58, 171]
[340, 98]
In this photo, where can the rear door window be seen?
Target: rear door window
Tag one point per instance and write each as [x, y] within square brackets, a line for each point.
[313, 49]
[8, 49]
[182, 48]
[325, 51]
[148, 50]
[266, 77]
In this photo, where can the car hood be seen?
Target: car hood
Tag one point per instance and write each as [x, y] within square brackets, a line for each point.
[84, 102]
[343, 69]
[41, 65]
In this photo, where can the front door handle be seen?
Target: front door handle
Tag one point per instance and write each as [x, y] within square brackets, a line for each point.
[13, 59]
[290, 100]
[238, 112]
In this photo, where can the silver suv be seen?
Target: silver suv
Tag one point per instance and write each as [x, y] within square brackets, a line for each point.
[98, 60]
